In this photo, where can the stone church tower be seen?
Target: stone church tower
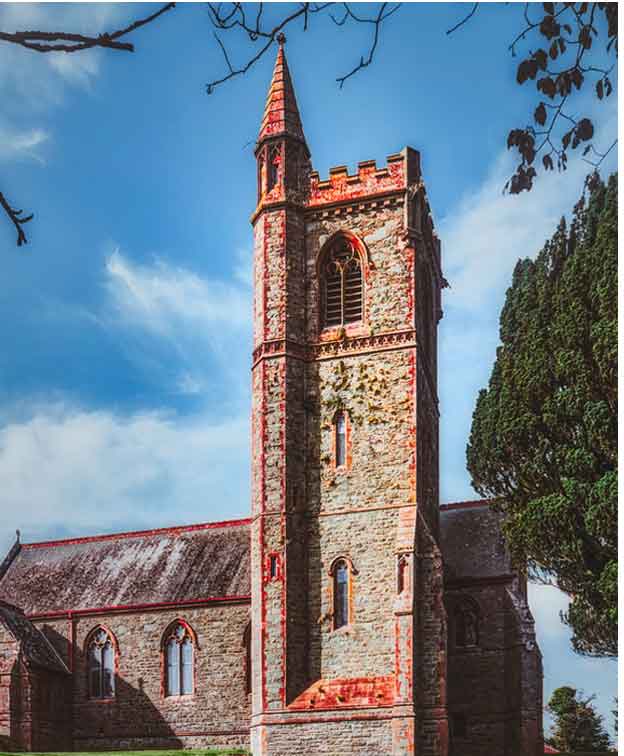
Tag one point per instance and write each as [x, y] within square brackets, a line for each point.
[351, 615]
[348, 620]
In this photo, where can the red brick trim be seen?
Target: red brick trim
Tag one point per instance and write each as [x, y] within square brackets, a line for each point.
[245, 598]
[339, 347]
[138, 533]
[299, 718]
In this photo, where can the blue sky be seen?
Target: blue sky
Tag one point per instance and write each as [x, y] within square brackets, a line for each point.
[124, 373]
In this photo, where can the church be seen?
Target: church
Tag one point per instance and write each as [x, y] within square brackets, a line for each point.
[351, 614]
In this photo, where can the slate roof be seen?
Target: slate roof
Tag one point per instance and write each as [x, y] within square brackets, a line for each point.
[472, 541]
[188, 563]
[36, 649]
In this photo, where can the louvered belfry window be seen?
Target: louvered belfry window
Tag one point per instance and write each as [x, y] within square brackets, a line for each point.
[342, 284]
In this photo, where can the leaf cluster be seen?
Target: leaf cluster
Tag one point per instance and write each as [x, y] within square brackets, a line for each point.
[564, 63]
[544, 433]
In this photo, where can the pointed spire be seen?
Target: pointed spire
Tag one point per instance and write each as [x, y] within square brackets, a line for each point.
[281, 114]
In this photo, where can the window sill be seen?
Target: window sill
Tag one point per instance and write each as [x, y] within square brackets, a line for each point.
[180, 698]
[344, 630]
[336, 333]
[109, 700]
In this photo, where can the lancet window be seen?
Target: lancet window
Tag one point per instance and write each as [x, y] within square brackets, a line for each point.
[101, 663]
[179, 657]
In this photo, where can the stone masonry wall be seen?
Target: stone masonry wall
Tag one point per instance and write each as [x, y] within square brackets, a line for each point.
[495, 684]
[140, 714]
[11, 735]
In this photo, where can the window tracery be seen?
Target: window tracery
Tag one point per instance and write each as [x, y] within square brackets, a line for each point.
[342, 284]
[179, 659]
[101, 663]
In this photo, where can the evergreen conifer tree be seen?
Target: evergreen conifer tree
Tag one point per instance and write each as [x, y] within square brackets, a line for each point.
[544, 433]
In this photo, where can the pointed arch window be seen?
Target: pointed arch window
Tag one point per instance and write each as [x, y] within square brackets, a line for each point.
[179, 646]
[341, 574]
[101, 663]
[341, 439]
[274, 167]
[261, 172]
[341, 594]
[403, 574]
[342, 284]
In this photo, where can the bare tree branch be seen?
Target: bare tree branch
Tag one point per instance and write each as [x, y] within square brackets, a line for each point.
[600, 155]
[16, 219]
[381, 17]
[463, 21]
[235, 17]
[44, 42]
[68, 42]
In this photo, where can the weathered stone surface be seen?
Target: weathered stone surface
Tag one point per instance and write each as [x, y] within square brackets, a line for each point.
[437, 654]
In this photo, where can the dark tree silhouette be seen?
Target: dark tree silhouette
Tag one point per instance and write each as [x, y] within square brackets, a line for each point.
[544, 433]
[568, 59]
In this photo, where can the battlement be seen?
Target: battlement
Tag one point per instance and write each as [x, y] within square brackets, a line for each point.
[400, 170]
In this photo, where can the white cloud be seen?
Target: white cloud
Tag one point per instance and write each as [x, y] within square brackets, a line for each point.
[489, 231]
[162, 297]
[243, 269]
[70, 470]
[16, 144]
[205, 321]
[36, 80]
[190, 384]
[482, 239]
[33, 83]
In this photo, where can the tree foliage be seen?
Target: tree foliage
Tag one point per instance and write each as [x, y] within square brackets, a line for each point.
[544, 433]
[577, 725]
[577, 50]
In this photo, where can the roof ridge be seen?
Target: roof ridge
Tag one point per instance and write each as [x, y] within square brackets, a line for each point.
[469, 504]
[173, 529]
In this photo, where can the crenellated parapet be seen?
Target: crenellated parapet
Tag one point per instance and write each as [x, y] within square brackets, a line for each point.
[368, 181]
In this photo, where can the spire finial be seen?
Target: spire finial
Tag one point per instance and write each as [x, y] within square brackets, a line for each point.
[281, 115]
